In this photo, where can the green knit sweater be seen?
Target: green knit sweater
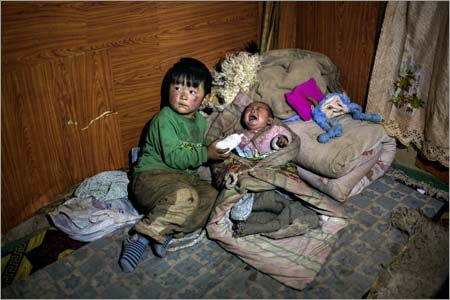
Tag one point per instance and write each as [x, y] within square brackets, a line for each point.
[174, 142]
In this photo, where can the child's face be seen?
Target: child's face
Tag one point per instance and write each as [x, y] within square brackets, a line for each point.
[186, 100]
[256, 116]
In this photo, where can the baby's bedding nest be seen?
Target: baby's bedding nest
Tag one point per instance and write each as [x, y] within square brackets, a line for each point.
[294, 260]
[340, 169]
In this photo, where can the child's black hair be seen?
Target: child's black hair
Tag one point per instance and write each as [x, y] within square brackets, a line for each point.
[187, 70]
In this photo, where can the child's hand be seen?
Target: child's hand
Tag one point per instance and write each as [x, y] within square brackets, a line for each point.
[217, 154]
[282, 141]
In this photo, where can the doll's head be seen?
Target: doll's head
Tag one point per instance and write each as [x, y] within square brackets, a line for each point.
[257, 115]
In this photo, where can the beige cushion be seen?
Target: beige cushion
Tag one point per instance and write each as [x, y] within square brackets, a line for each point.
[354, 182]
[341, 154]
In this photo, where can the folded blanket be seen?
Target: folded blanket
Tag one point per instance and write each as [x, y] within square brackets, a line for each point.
[340, 155]
[294, 260]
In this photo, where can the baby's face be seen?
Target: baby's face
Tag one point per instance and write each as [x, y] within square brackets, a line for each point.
[256, 116]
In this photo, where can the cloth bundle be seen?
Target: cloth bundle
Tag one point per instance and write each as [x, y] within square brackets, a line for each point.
[99, 206]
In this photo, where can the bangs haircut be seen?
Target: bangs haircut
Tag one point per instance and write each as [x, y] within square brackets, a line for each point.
[191, 72]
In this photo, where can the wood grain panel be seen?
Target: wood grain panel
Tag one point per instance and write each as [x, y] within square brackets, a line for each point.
[30, 155]
[35, 32]
[287, 36]
[99, 136]
[99, 64]
[17, 164]
[113, 24]
[222, 27]
[38, 105]
[137, 82]
[346, 33]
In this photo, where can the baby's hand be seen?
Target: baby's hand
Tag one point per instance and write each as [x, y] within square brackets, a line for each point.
[282, 141]
[217, 154]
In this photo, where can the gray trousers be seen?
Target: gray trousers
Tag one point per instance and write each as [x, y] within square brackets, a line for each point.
[271, 212]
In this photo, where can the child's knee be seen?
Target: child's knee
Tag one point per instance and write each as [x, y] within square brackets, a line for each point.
[187, 195]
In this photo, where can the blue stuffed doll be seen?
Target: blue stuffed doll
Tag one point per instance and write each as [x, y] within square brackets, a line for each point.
[333, 105]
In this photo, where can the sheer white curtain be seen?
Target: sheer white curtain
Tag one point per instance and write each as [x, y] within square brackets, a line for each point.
[413, 53]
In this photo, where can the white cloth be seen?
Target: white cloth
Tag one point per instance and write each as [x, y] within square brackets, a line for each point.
[100, 205]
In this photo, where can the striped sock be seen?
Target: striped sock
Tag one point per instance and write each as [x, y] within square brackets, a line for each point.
[160, 249]
[132, 253]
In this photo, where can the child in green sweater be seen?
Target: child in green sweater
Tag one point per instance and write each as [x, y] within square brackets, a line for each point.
[165, 186]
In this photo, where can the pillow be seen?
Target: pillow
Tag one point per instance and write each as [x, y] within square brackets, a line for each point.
[387, 156]
[297, 98]
[340, 155]
[341, 187]
[359, 178]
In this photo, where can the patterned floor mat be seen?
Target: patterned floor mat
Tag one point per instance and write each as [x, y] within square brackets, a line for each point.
[34, 254]
[205, 270]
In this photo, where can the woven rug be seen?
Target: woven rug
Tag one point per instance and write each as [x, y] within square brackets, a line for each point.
[39, 251]
[205, 270]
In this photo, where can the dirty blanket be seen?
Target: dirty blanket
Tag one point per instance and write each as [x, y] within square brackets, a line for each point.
[293, 261]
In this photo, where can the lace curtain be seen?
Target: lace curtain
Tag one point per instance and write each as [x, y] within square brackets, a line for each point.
[409, 83]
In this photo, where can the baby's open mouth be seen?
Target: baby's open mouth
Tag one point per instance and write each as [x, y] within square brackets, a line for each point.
[252, 118]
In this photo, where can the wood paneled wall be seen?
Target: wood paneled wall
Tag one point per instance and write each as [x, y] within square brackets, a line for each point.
[81, 79]
[345, 31]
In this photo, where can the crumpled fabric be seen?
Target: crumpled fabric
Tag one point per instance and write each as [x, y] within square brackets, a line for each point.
[99, 206]
[242, 209]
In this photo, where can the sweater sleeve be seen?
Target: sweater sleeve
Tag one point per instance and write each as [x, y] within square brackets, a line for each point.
[179, 148]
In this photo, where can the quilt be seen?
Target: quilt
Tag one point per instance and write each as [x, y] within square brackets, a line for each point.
[295, 260]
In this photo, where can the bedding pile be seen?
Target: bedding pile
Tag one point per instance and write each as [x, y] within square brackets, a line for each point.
[294, 260]
[99, 206]
[309, 172]
[340, 168]
[344, 166]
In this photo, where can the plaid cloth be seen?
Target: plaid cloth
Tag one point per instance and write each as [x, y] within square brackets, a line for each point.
[294, 261]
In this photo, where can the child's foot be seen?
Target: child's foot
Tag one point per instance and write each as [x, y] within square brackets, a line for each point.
[133, 249]
[160, 249]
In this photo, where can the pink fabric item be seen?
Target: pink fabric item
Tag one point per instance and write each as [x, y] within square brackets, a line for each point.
[263, 142]
[297, 98]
